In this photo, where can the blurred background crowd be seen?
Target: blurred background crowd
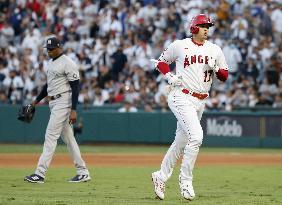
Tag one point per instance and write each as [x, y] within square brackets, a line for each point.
[113, 41]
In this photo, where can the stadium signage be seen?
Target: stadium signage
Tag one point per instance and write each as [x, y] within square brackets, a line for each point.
[224, 127]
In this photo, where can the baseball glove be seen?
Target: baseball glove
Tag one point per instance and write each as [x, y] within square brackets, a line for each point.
[26, 113]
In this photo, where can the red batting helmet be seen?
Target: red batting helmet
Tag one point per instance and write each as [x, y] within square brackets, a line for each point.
[197, 20]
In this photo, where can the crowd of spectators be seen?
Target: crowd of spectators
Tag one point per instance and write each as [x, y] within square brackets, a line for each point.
[112, 42]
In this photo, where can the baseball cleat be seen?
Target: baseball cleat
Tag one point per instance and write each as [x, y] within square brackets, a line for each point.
[159, 186]
[186, 189]
[34, 178]
[80, 178]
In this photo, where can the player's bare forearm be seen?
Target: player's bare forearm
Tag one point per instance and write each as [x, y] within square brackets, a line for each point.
[72, 117]
[34, 103]
[41, 95]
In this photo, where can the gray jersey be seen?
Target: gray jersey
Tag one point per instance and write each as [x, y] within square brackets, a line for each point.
[59, 73]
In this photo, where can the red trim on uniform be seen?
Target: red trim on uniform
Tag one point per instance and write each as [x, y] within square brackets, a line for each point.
[198, 44]
[163, 67]
[222, 74]
[200, 96]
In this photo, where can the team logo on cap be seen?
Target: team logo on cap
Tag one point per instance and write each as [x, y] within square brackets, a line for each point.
[49, 42]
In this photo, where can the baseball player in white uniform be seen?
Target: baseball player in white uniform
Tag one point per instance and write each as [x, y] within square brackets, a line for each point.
[62, 89]
[197, 61]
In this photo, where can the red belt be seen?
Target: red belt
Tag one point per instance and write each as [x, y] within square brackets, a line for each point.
[196, 95]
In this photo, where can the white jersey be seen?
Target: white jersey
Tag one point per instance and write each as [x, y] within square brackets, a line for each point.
[59, 73]
[192, 62]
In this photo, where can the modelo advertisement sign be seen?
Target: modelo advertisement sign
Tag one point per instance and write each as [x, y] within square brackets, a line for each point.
[231, 126]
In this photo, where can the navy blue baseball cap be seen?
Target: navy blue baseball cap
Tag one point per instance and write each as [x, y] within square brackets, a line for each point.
[52, 42]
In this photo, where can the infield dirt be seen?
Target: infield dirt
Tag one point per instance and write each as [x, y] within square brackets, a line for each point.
[140, 159]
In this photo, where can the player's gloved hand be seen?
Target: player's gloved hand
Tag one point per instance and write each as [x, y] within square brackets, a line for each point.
[173, 80]
[26, 113]
[212, 64]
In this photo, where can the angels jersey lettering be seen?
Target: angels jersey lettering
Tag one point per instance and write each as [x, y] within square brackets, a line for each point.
[192, 62]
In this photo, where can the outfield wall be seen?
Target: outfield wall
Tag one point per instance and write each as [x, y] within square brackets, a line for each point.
[224, 129]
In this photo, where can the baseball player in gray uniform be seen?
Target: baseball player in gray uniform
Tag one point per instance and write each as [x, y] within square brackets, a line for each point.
[62, 89]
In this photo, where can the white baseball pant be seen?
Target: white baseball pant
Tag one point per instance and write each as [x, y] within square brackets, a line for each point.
[188, 111]
[59, 125]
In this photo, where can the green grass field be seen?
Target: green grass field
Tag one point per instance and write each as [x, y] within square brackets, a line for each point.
[220, 185]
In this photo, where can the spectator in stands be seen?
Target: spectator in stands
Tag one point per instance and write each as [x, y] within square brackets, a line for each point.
[223, 12]
[99, 99]
[104, 76]
[120, 96]
[127, 107]
[119, 62]
[239, 27]
[251, 70]
[113, 43]
[264, 99]
[148, 108]
[233, 58]
[267, 87]
[278, 101]
[163, 104]
[14, 86]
